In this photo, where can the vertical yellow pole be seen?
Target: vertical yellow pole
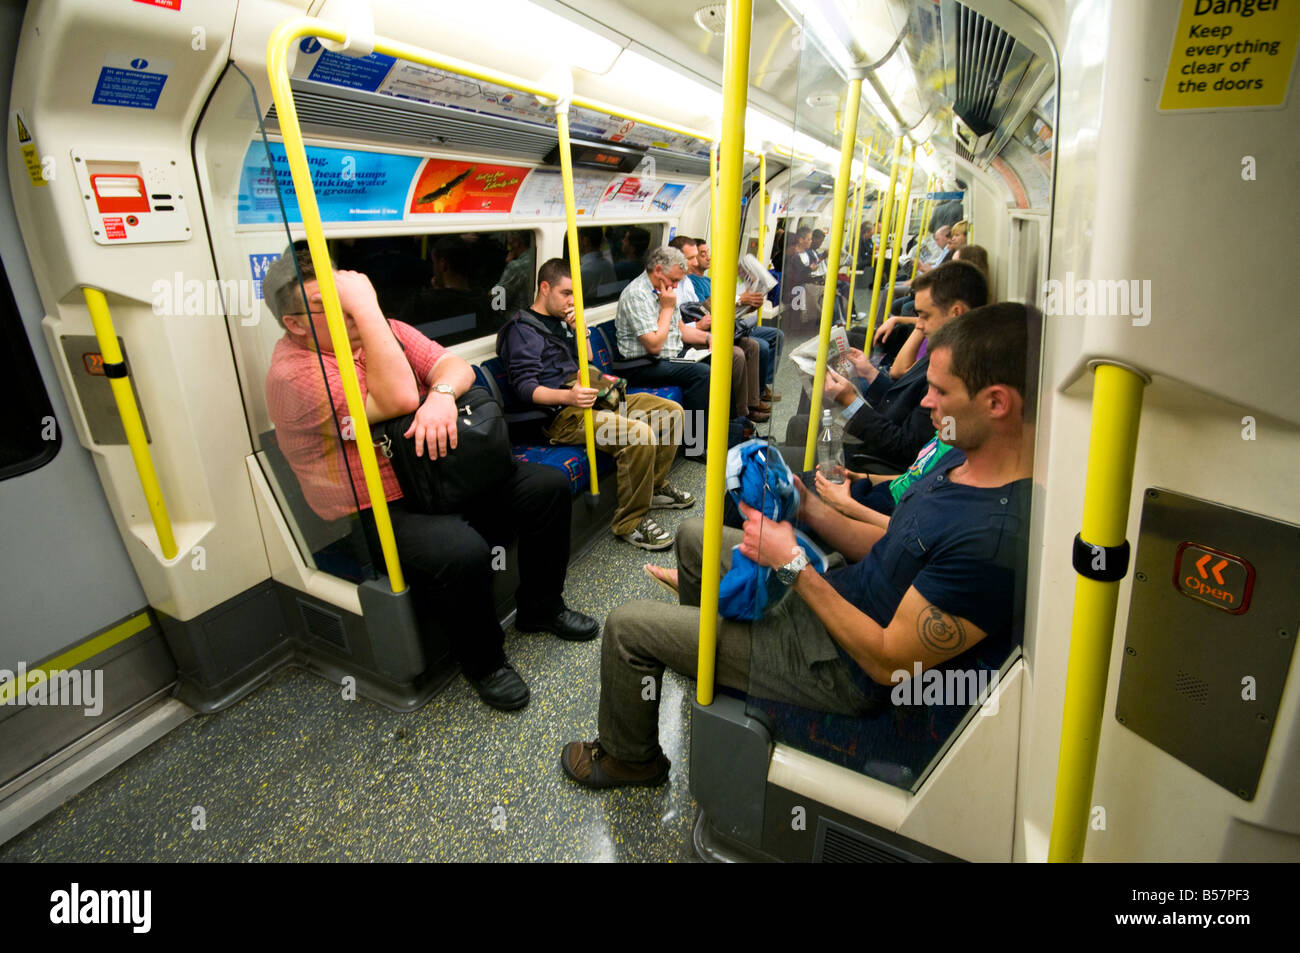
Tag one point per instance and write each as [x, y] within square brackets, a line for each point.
[579, 319]
[762, 218]
[857, 237]
[277, 71]
[713, 197]
[925, 225]
[882, 233]
[843, 182]
[1112, 450]
[115, 370]
[735, 92]
[900, 232]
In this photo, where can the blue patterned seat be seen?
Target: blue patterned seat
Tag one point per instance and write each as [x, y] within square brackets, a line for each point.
[602, 349]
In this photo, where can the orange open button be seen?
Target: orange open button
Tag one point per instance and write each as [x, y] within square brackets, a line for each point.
[1214, 577]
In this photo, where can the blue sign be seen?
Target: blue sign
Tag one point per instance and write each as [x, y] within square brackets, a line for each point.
[258, 265]
[351, 185]
[135, 87]
[366, 72]
[944, 196]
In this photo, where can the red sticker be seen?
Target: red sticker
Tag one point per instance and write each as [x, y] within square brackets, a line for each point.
[168, 4]
[113, 228]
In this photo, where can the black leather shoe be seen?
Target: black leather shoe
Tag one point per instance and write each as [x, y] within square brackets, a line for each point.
[503, 689]
[567, 624]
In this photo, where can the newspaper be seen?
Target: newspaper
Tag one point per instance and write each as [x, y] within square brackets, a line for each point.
[751, 277]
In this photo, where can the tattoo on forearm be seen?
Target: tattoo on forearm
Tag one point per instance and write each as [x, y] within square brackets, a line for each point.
[939, 631]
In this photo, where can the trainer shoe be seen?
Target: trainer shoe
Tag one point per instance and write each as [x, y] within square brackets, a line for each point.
[649, 535]
[591, 766]
[669, 497]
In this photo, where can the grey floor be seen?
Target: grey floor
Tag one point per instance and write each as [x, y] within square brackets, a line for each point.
[294, 772]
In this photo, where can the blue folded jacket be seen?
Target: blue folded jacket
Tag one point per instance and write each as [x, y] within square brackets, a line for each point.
[758, 477]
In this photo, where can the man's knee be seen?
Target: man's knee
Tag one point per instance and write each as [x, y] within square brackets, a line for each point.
[690, 542]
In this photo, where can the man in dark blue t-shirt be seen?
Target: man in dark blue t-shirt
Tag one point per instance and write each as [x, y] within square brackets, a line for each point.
[939, 589]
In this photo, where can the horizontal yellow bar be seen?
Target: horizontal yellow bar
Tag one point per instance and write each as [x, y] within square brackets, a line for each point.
[77, 654]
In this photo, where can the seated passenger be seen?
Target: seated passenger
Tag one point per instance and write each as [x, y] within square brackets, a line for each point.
[517, 275]
[801, 292]
[597, 270]
[450, 301]
[643, 434]
[648, 325]
[447, 559]
[632, 249]
[887, 415]
[769, 336]
[938, 588]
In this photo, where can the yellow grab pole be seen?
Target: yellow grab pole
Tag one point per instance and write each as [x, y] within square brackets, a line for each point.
[115, 371]
[900, 232]
[713, 197]
[857, 238]
[925, 225]
[882, 233]
[762, 219]
[579, 320]
[735, 91]
[1112, 449]
[277, 50]
[843, 182]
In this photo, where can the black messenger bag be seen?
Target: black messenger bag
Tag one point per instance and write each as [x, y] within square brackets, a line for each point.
[481, 461]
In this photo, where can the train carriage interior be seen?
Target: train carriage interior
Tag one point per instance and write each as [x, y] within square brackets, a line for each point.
[209, 649]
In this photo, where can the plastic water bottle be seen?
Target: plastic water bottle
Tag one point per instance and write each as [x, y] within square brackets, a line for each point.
[830, 451]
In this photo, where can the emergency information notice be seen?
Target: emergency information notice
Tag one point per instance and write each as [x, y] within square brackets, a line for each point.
[1232, 54]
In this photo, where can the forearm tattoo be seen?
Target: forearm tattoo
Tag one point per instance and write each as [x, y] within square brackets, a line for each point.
[940, 632]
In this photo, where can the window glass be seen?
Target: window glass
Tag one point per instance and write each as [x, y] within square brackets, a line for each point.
[455, 287]
[611, 256]
[29, 437]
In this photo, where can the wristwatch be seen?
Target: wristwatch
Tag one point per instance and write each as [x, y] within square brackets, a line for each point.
[445, 389]
[790, 571]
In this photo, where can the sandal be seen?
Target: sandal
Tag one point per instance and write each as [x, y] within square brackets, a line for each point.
[663, 576]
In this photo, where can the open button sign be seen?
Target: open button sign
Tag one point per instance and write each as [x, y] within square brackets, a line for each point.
[1214, 577]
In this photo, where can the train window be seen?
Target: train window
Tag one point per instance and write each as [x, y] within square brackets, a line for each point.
[29, 435]
[454, 287]
[610, 256]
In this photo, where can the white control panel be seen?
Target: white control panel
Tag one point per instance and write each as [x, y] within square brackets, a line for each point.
[131, 197]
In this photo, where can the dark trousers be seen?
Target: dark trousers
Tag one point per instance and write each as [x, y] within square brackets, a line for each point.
[769, 339]
[691, 377]
[448, 560]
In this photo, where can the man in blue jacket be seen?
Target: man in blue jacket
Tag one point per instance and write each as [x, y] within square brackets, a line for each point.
[940, 588]
[539, 348]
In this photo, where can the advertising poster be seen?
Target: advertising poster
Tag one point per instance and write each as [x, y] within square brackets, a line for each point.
[447, 185]
[626, 195]
[351, 185]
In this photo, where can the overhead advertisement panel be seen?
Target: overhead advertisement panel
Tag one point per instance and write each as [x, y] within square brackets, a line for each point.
[445, 185]
[351, 185]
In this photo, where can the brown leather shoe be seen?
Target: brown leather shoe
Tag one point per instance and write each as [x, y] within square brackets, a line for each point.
[762, 405]
[759, 416]
[771, 396]
[586, 763]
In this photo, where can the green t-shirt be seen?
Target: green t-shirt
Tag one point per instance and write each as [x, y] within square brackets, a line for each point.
[923, 464]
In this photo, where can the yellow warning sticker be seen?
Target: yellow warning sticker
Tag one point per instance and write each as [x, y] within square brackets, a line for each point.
[1232, 54]
[27, 147]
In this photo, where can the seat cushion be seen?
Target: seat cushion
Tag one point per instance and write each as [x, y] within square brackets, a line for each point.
[571, 461]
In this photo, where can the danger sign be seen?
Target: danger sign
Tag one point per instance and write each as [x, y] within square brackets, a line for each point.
[1231, 54]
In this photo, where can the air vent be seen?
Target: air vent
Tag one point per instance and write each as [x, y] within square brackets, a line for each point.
[837, 844]
[327, 110]
[323, 625]
[1192, 688]
[983, 52]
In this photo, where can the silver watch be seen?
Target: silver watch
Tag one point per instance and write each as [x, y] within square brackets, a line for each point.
[445, 389]
[790, 571]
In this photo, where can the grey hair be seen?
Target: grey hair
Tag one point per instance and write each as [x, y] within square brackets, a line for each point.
[666, 258]
[280, 288]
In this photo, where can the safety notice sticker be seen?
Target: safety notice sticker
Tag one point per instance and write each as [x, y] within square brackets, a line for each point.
[31, 161]
[135, 81]
[1232, 54]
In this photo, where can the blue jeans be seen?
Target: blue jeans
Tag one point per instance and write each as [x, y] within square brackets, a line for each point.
[770, 341]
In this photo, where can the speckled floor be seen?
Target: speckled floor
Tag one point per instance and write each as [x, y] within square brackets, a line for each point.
[295, 773]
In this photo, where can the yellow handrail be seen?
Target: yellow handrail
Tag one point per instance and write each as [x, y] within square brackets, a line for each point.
[925, 225]
[857, 238]
[713, 196]
[762, 221]
[579, 315]
[900, 231]
[882, 235]
[735, 93]
[1112, 450]
[843, 181]
[124, 397]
